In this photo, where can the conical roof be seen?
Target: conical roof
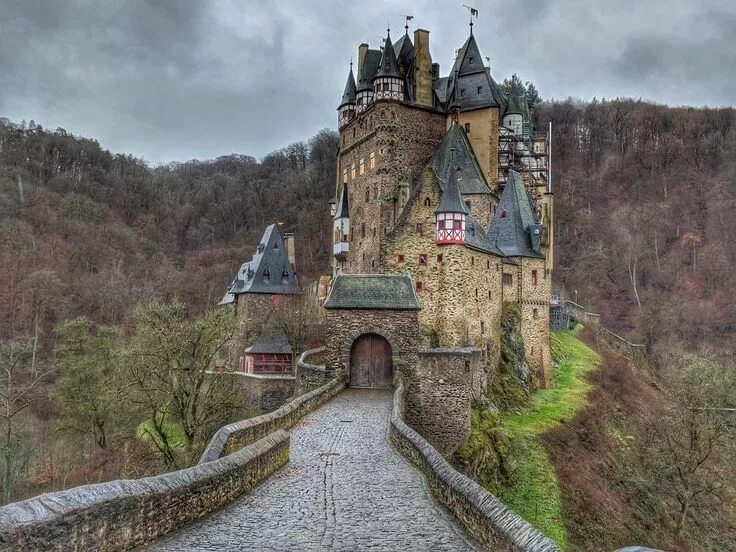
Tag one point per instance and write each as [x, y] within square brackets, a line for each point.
[348, 96]
[471, 179]
[509, 229]
[452, 201]
[368, 70]
[516, 103]
[469, 85]
[342, 210]
[389, 66]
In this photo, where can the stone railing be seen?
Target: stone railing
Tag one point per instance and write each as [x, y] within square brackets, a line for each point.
[310, 370]
[485, 517]
[239, 434]
[122, 514]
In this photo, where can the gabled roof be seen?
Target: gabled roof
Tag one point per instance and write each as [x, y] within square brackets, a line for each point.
[269, 271]
[271, 342]
[342, 210]
[348, 96]
[514, 218]
[404, 50]
[471, 179]
[368, 70]
[389, 66]
[372, 291]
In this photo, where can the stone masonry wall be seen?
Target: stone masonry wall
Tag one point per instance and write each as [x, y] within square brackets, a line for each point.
[439, 396]
[400, 328]
[120, 515]
[483, 137]
[461, 288]
[534, 306]
[402, 139]
[485, 517]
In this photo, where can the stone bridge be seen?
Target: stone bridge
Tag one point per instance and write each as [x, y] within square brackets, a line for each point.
[345, 478]
[345, 488]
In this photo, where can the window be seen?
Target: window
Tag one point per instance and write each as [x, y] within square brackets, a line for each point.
[439, 258]
[504, 214]
[275, 247]
[489, 293]
[362, 231]
[488, 264]
[419, 287]
[400, 258]
[367, 195]
[476, 293]
[353, 132]
[372, 160]
[361, 166]
[423, 259]
[375, 192]
[352, 171]
[373, 263]
[472, 261]
[462, 93]
[420, 228]
[467, 128]
[480, 89]
[266, 275]
[427, 202]
[507, 279]
[374, 231]
[534, 278]
[344, 176]
[470, 60]
[535, 313]
[284, 277]
[467, 204]
[482, 327]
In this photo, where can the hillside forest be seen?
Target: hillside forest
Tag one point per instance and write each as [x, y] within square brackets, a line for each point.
[102, 254]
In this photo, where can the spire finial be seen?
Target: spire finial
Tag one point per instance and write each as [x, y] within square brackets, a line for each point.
[406, 24]
[473, 13]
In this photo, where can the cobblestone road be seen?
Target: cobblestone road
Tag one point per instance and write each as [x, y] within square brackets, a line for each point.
[345, 488]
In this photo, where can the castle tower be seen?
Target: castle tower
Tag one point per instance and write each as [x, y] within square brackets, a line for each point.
[341, 230]
[388, 84]
[451, 213]
[346, 109]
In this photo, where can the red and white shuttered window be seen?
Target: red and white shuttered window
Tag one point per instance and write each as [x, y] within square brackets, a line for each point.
[450, 228]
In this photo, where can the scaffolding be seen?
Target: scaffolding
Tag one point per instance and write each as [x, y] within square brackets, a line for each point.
[526, 153]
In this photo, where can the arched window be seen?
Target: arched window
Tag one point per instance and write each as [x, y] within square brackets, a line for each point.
[427, 202]
[367, 195]
[284, 277]
[266, 275]
[535, 313]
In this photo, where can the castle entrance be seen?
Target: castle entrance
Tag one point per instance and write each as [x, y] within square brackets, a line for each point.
[370, 362]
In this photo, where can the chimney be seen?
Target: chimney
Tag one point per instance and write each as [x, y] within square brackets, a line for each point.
[423, 71]
[362, 51]
[436, 70]
[289, 242]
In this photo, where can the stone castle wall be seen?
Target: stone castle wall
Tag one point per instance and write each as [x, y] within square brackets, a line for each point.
[534, 307]
[483, 136]
[401, 140]
[400, 328]
[460, 288]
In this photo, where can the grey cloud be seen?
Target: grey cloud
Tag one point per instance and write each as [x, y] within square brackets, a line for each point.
[179, 79]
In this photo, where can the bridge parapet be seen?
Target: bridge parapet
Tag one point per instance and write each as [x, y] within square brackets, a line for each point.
[483, 515]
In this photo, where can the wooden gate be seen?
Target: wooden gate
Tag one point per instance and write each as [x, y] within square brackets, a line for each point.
[370, 362]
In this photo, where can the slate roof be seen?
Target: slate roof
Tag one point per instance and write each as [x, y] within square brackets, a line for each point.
[270, 258]
[389, 66]
[404, 50]
[517, 104]
[509, 229]
[451, 200]
[271, 342]
[368, 70]
[348, 95]
[474, 88]
[342, 210]
[476, 237]
[471, 179]
[372, 291]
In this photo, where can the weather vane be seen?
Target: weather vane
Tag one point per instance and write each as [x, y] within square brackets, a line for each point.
[473, 13]
[406, 25]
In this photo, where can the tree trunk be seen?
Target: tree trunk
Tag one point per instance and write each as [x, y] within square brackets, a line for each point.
[632, 278]
[683, 518]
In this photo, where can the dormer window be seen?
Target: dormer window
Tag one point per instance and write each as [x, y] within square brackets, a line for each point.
[266, 276]
[284, 277]
[462, 92]
[480, 89]
[470, 60]
[504, 214]
[275, 247]
[467, 128]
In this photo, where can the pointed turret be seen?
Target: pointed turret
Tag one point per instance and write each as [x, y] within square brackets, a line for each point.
[341, 226]
[388, 83]
[346, 109]
[368, 61]
[469, 85]
[515, 229]
[451, 212]
[516, 114]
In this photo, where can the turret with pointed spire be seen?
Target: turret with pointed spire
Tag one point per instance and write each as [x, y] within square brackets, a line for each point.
[341, 226]
[451, 212]
[346, 109]
[388, 83]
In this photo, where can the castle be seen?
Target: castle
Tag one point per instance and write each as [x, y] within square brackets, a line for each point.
[442, 179]
[442, 214]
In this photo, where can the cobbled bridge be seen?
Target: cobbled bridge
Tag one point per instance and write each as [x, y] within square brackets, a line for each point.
[350, 475]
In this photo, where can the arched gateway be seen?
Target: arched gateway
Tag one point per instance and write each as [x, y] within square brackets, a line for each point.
[371, 362]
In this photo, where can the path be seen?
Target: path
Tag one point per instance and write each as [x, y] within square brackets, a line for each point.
[345, 488]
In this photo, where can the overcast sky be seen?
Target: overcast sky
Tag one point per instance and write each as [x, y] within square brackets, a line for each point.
[180, 79]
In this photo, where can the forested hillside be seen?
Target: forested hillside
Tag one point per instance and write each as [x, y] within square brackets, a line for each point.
[645, 199]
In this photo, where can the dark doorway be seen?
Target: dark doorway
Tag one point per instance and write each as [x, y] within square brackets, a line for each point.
[370, 362]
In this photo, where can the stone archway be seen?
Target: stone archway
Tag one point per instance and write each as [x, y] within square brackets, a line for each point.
[371, 362]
